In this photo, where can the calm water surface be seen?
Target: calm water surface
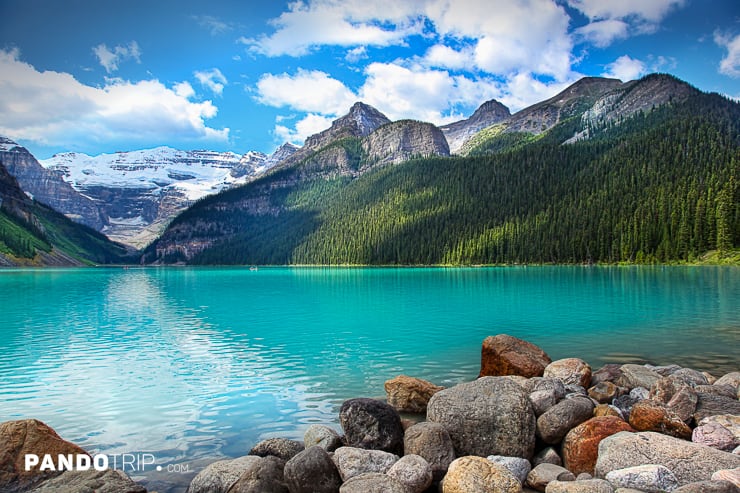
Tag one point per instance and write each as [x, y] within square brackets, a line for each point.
[192, 365]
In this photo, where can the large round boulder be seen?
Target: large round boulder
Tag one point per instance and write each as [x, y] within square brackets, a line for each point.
[265, 476]
[353, 461]
[312, 471]
[371, 424]
[432, 442]
[507, 355]
[489, 416]
[557, 421]
[219, 476]
[413, 472]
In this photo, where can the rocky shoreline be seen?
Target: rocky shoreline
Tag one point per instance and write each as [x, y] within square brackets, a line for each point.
[526, 424]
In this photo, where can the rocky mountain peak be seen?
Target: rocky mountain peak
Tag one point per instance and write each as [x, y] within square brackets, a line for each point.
[366, 118]
[487, 114]
[361, 120]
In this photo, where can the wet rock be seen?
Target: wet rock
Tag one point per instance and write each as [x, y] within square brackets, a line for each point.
[580, 486]
[507, 355]
[557, 421]
[265, 476]
[651, 478]
[543, 474]
[571, 371]
[650, 416]
[28, 436]
[637, 376]
[277, 447]
[220, 476]
[708, 487]
[352, 461]
[108, 481]
[409, 394]
[605, 392]
[547, 455]
[322, 436]
[371, 424]
[312, 471]
[516, 465]
[413, 472]
[472, 474]
[581, 444]
[432, 442]
[624, 450]
[372, 482]
[607, 373]
[489, 416]
[712, 405]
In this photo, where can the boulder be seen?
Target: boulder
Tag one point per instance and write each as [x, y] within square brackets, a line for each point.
[322, 436]
[690, 377]
[712, 405]
[264, 476]
[516, 465]
[708, 487]
[605, 392]
[731, 379]
[277, 447]
[544, 393]
[624, 450]
[725, 390]
[650, 416]
[713, 434]
[607, 373]
[473, 474]
[352, 461]
[413, 472]
[507, 355]
[489, 416]
[29, 436]
[624, 404]
[219, 476]
[557, 421]
[547, 455]
[312, 471]
[637, 376]
[580, 486]
[731, 475]
[676, 395]
[651, 478]
[108, 481]
[581, 444]
[608, 410]
[409, 394]
[372, 482]
[432, 442]
[571, 371]
[371, 424]
[543, 474]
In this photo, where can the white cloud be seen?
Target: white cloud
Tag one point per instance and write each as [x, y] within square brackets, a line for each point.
[212, 24]
[356, 54]
[730, 64]
[625, 69]
[110, 59]
[603, 33]
[53, 108]
[442, 56]
[309, 125]
[213, 79]
[308, 90]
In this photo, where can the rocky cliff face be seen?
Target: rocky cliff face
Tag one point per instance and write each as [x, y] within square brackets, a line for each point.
[489, 113]
[402, 140]
[48, 186]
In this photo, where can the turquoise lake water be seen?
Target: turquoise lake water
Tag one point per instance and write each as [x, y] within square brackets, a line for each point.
[192, 365]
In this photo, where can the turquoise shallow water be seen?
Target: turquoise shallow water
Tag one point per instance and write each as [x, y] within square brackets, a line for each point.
[196, 364]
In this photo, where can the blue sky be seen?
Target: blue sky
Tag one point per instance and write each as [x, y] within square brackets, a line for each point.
[100, 76]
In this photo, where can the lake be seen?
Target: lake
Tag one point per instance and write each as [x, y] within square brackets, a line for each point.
[194, 364]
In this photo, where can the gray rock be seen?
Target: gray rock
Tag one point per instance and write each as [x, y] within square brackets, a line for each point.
[352, 461]
[312, 471]
[625, 449]
[665, 370]
[712, 405]
[640, 393]
[403, 139]
[572, 390]
[637, 376]
[413, 472]
[547, 455]
[584, 476]
[220, 476]
[625, 403]
[713, 434]
[432, 442]
[265, 476]
[572, 371]
[544, 393]
[108, 481]
[691, 377]
[322, 436]
[708, 487]
[731, 379]
[489, 416]
[579, 486]
[543, 474]
[372, 482]
[652, 478]
[557, 421]
[675, 394]
[607, 373]
[277, 447]
[371, 424]
[725, 390]
[516, 465]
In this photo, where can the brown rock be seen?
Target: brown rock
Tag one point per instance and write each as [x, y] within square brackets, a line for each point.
[610, 372]
[605, 392]
[676, 394]
[572, 371]
[647, 415]
[607, 410]
[471, 474]
[29, 436]
[506, 355]
[409, 394]
[581, 444]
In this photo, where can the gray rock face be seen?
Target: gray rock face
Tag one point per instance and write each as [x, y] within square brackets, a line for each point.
[432, 442]
[557, 421]
[323, 436]
[487, 114]
[624, 450]
[312, 471]
[265, 476]
[413, 472]
[352, 461]
[278, 447]
[108, 481]
[371, 424]
[489, 416]
[650, 478]
[361, 120]
[399, 141]
[372, 482]
[220, 476]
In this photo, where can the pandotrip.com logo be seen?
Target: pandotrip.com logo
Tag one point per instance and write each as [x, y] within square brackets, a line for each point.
[128, 463]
